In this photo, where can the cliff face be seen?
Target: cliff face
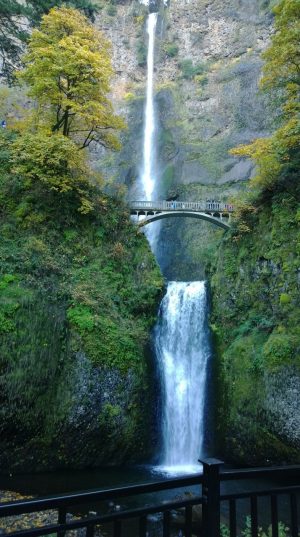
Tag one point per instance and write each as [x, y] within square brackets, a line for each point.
[207, 101]
[78, 298]
[255, 319]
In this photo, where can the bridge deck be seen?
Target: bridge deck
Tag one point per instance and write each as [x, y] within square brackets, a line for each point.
[194, 206]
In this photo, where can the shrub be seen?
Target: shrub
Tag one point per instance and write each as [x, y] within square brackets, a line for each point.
[141, 54]
[171, 50]
[189, 70]
[111, 10]
[285, 299]
[280, 349]
[82, 317]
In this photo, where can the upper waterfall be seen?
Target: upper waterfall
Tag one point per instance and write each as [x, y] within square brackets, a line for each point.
[148, 179]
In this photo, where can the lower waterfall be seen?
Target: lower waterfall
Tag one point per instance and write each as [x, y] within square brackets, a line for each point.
[183, 352]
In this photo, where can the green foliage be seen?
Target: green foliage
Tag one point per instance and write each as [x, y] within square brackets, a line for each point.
[141, 54]
[171, 49]
[277, 157]
[73, 288]
[53, 162]
[284, 299]
[6, 280]
[256, 312]
[109, 417]
[81, 317]
[283, 530]
[189, 70]
[281, 349]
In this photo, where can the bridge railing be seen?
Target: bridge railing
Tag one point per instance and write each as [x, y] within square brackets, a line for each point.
[209, 491]
[196, 206]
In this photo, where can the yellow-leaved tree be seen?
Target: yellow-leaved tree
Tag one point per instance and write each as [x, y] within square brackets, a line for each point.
[277, 157]
[67, 69]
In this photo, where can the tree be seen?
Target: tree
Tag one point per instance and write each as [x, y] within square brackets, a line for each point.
[51, 163]
[68, 71]
[282, 58]
[277, 157]
[38, 8]
[16, 18]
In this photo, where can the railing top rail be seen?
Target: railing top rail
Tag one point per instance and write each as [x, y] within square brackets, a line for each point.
[52, 502]
[250, 473]
[265, 492]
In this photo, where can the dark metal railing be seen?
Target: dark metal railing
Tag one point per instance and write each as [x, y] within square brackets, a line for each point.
[210, 493]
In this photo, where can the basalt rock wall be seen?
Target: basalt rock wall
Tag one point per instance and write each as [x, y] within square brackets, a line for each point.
[207, 68]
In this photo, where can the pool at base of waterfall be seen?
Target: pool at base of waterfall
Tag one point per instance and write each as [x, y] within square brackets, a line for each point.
[176, 470]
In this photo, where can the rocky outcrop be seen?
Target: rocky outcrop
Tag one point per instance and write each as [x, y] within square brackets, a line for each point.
[282, 404]
[208, 60]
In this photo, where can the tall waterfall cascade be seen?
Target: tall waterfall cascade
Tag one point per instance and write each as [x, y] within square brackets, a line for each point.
[148, 175]
[183, 352]
[181, 334]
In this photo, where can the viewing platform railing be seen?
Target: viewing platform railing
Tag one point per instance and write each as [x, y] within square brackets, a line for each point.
[209, 493]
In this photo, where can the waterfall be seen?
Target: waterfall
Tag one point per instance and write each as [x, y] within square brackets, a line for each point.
[148, 178]
[181, 334]
[183, 351]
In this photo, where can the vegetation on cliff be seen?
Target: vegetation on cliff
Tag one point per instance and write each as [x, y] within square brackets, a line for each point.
[17, 18]
[255, 284]
[78, 286]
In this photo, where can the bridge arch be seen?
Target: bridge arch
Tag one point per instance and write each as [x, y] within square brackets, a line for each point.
[217, 221]
[215, 212]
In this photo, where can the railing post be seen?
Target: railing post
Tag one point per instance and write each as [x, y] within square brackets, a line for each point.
[62, 518]
[211, 497]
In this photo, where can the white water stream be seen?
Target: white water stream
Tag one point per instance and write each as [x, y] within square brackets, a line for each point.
[183, 351]
[148, 175]
[181, 335]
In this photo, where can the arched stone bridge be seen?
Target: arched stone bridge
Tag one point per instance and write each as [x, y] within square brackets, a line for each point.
[212, 211]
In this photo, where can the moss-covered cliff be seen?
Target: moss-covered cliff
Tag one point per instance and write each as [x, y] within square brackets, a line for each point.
[255, 283]
[78, 297]
[256, 311]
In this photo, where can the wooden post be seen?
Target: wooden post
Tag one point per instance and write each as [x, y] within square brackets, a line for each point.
[211, 497]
